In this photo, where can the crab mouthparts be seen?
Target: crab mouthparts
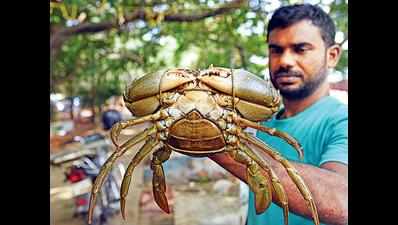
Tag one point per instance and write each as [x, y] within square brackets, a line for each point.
[194, 115]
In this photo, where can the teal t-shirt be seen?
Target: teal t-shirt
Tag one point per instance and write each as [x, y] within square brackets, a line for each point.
[322, 130]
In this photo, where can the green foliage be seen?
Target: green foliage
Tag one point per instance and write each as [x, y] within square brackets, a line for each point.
[100, 64]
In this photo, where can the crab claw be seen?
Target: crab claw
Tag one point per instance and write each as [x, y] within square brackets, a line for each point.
[247, 86]
[153, 83]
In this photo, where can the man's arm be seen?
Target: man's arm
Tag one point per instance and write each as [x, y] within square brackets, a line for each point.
[328, 186]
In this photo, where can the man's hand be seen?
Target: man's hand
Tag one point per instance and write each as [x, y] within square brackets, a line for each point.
[328, 185]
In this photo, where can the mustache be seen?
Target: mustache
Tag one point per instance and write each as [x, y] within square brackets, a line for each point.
[286, 73]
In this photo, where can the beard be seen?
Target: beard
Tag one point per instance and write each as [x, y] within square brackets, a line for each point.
[306, 88]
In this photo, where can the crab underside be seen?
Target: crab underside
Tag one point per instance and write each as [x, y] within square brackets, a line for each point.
[198, 113]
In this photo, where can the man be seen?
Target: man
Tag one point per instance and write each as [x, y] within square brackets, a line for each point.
[301, 50]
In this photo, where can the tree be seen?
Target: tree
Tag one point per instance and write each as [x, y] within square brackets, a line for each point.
[97, 47]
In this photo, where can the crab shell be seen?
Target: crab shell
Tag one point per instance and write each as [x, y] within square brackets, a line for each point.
[258, 100]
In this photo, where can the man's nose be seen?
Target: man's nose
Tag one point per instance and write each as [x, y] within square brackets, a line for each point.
[287, 60]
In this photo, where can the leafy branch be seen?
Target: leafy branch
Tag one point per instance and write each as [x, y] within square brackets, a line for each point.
[60, 35]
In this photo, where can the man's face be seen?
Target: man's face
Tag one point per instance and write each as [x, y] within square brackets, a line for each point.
[299, 59]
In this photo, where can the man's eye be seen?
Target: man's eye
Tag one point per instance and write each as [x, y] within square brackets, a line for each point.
[276, 50]
[301, 50]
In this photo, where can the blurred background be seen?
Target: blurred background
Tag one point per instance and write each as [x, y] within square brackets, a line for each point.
[99, 47]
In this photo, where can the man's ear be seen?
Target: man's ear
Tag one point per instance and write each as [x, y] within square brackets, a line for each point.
[333, 55]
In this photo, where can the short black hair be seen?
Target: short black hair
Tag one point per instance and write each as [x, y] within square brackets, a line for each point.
[110, 117]
[288, 15]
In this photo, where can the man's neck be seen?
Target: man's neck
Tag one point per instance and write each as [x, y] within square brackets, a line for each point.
[293, 107]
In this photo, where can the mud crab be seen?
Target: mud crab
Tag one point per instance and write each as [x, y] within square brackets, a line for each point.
[201, 112]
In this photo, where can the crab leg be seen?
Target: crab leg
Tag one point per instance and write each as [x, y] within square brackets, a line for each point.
[106, 168]
[138, 138]
[144, 151]
[292, 172]
[158, 180]
[257, 182]
[119, 126]
[272, 132]
[276, 183]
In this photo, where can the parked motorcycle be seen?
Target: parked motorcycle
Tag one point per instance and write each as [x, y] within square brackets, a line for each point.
[81, 166]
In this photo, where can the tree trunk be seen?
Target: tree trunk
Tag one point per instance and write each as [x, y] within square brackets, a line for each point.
[71, 110]
[93, 95]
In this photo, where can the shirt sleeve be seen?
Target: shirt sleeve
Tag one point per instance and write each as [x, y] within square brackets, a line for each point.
[336, 149]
